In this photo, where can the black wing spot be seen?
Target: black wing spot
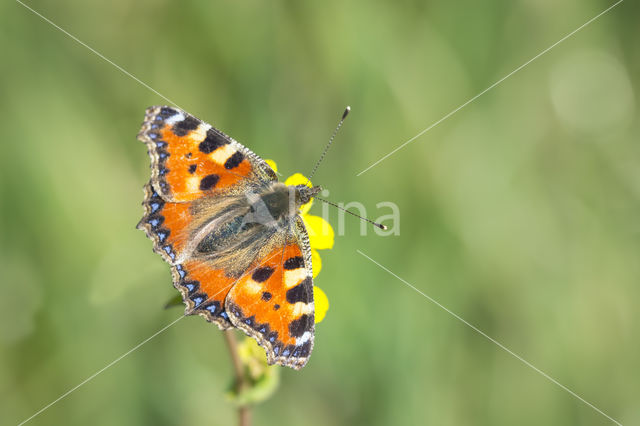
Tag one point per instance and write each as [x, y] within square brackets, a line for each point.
[166, 112]
[213, 308]
[192, 168]
[209, 182]
[212, 142]
[276, 307]
[266, 296]
[294, 262]
[262, 274]
[198, 299]
[182, 128]
[304, 350]
[192, 286]
[234, 161]
[250, 321]
[299, 293]
[298, 326]
[272, 336]
[235, 310]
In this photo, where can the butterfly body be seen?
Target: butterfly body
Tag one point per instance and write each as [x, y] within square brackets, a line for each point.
[237, 246]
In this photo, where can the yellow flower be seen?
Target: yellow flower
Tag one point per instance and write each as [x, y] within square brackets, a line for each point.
[272, 164]
[321, 237]
[321, 302]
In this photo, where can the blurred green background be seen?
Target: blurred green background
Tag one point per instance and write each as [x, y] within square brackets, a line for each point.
[520, 213]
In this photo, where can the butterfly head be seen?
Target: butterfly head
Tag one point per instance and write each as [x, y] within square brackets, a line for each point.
[280, 202]
[303, 194]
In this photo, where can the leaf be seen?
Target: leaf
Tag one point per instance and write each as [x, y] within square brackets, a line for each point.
[174, 301]
[257, 391]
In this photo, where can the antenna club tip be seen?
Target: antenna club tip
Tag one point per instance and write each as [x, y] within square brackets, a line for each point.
[383, 227]
[346, 112]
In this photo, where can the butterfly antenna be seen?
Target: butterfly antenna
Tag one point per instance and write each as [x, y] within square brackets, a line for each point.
[376, 224]
[326, 148]
[324, 152]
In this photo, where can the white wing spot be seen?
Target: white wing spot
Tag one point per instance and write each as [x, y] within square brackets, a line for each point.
[222, 154]
[252, 287]
[293, 277]
[175, 118]
[193, 184]
[200, 133]
[303, 339]
[301, 308]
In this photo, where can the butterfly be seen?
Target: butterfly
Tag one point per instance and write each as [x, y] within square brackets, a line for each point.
[237, 246]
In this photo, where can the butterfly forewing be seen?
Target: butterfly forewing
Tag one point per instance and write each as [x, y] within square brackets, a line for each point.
[191, 159]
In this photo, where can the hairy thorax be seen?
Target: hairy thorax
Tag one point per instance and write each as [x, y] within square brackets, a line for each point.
[231, 232]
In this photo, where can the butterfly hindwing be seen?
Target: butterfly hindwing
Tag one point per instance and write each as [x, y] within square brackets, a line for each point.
[163, 222]
[203, 288]
[274, 303]
[191, 159]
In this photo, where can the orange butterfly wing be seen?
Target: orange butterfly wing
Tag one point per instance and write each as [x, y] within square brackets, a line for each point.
[191, 159]
[274, 303]
[203, 289]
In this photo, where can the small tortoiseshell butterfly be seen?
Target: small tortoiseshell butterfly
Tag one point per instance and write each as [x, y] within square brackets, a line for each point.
[238, 249]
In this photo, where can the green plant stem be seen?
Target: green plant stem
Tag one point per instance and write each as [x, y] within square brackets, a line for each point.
[244, 411]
